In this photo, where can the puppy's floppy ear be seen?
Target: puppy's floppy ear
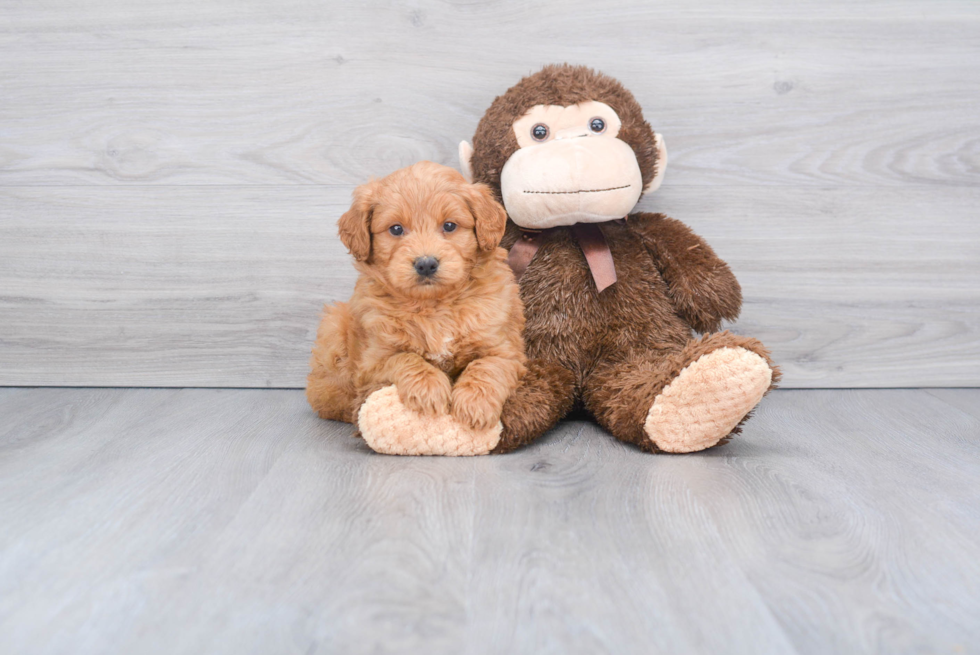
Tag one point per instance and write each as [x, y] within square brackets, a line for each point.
[355, 225]
[488, 214]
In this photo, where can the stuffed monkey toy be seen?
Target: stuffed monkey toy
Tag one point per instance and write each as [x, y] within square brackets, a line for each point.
[612, 299]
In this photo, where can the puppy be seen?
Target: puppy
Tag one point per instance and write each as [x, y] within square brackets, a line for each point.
[435, 311]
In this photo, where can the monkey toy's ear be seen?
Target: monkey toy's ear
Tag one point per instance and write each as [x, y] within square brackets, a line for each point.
[355, 225]
[488, 215]
[658, 179]
[465, 156]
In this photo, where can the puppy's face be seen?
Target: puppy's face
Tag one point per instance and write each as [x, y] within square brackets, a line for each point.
[421, 229]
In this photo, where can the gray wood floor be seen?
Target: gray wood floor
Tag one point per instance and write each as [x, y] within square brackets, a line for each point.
[234, 521]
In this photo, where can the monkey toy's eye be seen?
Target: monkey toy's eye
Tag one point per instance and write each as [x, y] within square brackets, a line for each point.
[396, 230]
[448, 226]
[539, 132]
[597, 125]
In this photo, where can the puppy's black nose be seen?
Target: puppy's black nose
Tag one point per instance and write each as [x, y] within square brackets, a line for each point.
[426, 266]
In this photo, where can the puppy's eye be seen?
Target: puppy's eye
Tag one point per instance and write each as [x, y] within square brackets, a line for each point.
[539, 132]
[597, 125]
[448, 226]
[396, 230]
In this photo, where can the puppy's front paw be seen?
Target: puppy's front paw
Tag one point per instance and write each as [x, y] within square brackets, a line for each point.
[391, 428]
[474, 406]
[426, 394]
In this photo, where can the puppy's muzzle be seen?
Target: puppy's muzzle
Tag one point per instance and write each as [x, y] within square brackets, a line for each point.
[426, 266]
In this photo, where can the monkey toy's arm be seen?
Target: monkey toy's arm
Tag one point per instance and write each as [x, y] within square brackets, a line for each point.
[703, 288]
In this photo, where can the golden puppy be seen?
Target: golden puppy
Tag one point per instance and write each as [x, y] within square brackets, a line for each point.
[435, 311]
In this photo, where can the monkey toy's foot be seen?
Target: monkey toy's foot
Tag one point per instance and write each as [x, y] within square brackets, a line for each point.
[707, 400]
[391, 428]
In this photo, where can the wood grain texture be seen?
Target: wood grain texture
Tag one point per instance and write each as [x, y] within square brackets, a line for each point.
[962, 399]
[170, 173]
[234, 521]
[222, 286]
[167, 286]
[300, 92]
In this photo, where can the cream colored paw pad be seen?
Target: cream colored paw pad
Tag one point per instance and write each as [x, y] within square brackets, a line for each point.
[702, 405]
[391, 428]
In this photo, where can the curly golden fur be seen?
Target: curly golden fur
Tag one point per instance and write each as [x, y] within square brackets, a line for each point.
[450, 341]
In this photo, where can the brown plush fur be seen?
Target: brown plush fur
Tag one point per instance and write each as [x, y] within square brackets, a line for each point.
[451, 343]
[614, 351]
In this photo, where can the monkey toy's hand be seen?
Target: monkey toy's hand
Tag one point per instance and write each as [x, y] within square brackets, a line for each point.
[702, 286]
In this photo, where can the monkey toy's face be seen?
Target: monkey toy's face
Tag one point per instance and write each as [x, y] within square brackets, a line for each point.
[571, 167]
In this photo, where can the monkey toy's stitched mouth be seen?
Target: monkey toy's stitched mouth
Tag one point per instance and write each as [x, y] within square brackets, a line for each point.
[565, 193]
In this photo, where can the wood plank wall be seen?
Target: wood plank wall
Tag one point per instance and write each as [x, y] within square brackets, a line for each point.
[171, 172]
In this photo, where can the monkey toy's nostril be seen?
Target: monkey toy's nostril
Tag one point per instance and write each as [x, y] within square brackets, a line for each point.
[426, 266]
